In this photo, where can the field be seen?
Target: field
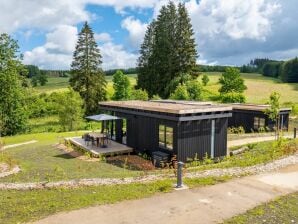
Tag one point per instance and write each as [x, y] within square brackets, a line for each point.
[258, 90]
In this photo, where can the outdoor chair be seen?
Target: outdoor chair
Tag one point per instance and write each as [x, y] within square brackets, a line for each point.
[87, 139]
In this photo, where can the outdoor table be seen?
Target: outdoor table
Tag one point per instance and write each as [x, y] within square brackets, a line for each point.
[98, 136]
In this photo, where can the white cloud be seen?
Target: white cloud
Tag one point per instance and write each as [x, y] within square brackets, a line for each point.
[115, 56]
[103, 37]
[249, 19]
[227, 31]
[136, 30]
[56, 53]
[46, 15]
[20, 14]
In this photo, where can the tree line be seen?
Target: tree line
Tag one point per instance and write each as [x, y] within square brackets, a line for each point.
[287, 71]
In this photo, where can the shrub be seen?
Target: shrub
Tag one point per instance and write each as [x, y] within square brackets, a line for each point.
[194, 90]
[232, 97]
[180, 93]
[139, 94]
[155, 97]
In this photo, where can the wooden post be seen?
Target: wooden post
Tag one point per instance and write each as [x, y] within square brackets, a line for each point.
[179, 175]
[295, 132]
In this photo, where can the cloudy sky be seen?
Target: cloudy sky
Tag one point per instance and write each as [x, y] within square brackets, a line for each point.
[228, 32]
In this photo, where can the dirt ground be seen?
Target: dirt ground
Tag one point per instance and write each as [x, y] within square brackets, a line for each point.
[205, 205]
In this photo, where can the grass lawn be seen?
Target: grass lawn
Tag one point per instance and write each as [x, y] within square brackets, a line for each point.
[42, 161]
[281, 210]
[24, 206]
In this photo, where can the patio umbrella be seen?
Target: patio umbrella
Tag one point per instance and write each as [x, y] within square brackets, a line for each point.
[102, 117]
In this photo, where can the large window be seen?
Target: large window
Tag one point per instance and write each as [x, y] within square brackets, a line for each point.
[165, 137]
[259, 123]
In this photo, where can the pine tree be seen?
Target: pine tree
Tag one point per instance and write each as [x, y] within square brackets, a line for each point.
[87, 77]
[13, 116]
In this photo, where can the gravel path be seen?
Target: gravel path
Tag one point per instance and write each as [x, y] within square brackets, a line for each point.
[235, 171]
[208, 205]
[19, 144]
[244, 141]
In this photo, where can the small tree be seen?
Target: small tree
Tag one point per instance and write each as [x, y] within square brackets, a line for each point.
[205, 79]
[231, 81]
[139, 94]
[70, 110]
[273, 111]
[194, 90]
[232, 86]
[180, 93]
[121, 86]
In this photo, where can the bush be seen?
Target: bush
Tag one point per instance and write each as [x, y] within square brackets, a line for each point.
[194, 90]
[232, 97]
[180, 93]
[155, 97]
[236, 130]
[139, 94]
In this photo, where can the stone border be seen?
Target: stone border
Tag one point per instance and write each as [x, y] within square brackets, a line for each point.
[235, 171]
[8, 172]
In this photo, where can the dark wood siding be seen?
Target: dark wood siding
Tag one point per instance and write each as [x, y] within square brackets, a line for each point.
[245, 118]
[190, 138]
[142, 132]
[194, 139]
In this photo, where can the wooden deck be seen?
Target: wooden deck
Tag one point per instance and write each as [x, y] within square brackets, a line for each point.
[113, 148]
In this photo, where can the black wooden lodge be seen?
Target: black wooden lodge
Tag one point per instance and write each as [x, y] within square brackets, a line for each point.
[186, 129]
[181, 128]
[253, 118]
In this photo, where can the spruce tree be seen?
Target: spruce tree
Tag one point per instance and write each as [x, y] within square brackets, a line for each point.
[87, 77]
[146, 69]
[164, 51]
[168, 53]
[186, 46]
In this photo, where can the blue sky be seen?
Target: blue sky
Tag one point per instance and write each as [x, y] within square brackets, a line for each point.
[228, 32]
